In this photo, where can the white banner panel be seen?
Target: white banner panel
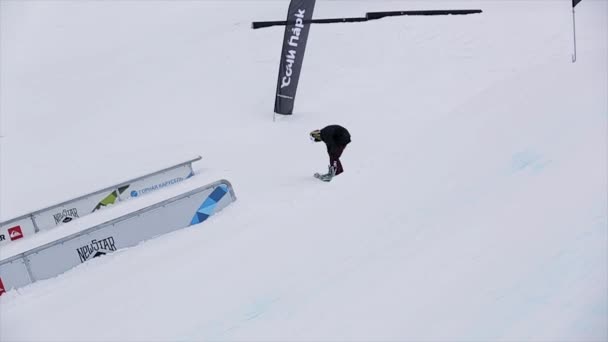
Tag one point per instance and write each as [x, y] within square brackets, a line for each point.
[172, 214]
[74, 209]
[16, 229]
[157, 182]
[13, 274]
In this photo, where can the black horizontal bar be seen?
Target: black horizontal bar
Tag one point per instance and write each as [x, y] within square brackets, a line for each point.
[262, 24]
[380, 15]
[368, 16]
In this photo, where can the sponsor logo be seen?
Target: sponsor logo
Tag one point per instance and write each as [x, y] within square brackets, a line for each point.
[96, 248]
[15, 233]
[155, 187]
[66, 216]
[2, 290]
[111, 198]
[290, 56]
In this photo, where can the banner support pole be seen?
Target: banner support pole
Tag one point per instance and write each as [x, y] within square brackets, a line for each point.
[574, 34]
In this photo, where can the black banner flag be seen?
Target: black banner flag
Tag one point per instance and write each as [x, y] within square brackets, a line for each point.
[292, 54]
[575, 2]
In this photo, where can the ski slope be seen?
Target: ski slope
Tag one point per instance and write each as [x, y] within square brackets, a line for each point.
[473, 204]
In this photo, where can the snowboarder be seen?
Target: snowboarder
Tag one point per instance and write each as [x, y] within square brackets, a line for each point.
[336, 138]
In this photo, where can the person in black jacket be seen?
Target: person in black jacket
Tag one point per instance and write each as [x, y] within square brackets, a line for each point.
[336, 138]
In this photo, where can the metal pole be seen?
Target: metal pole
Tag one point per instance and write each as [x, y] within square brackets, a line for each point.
[574, 33]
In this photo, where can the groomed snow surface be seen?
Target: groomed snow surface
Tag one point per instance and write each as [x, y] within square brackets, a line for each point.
[473, 206]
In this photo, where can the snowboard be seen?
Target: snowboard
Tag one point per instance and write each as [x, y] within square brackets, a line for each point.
[321, 178]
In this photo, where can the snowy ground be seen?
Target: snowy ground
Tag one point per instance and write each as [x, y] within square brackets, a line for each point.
[473, 206]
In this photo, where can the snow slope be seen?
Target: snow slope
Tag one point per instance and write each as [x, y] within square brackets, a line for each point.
[473, 206]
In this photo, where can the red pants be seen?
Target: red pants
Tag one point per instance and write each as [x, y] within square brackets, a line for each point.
[334, 157]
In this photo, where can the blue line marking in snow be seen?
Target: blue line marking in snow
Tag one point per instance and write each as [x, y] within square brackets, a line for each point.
[528, 159]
